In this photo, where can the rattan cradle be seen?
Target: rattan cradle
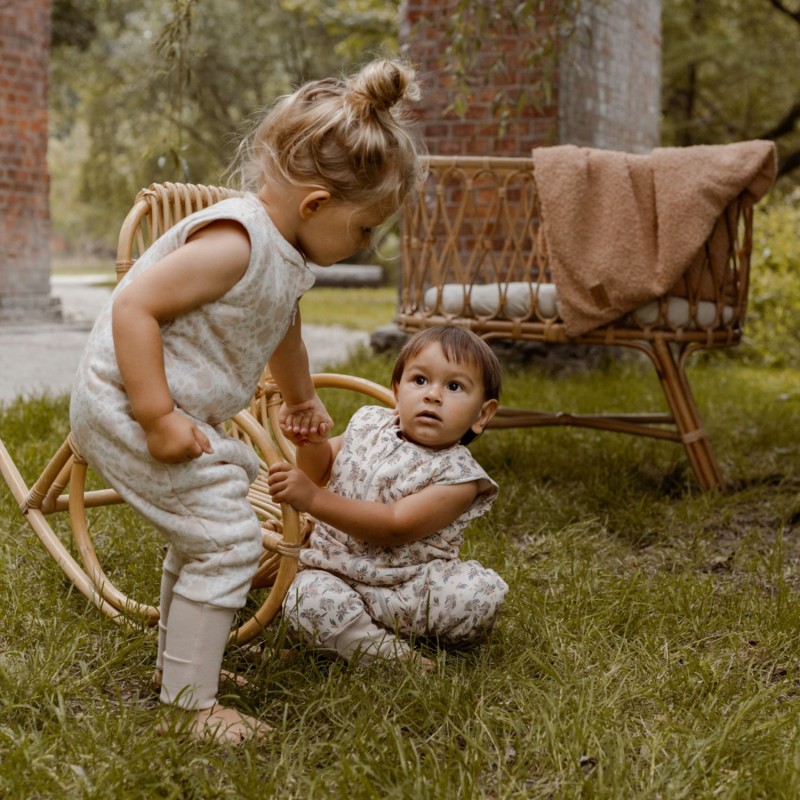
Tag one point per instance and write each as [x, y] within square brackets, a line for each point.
[62, 486]
[471, 257]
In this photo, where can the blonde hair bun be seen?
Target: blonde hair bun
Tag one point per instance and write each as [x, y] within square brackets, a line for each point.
[381, 85]
[349, 136]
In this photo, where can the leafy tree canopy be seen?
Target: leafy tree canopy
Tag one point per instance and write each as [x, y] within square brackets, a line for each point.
[155, 90]
[146, 90]
[731, 71]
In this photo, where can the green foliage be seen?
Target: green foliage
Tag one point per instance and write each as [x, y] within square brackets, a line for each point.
[359, 28]
[161, 91]
[72, 23]
[362, 309]
[475, 54]
[730, 73]
[772, 331]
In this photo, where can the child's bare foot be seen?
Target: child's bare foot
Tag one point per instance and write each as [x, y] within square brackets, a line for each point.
[224, 677]
[220, 723]
[423, 663]
[229, 725]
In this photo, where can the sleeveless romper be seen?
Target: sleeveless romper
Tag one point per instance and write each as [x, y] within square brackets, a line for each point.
[419, 588]
[213, 357]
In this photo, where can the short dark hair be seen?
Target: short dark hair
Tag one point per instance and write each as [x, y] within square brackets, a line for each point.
[459, 345]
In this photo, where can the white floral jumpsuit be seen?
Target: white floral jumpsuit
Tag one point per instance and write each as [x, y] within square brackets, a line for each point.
[420, 588]
[213, 356]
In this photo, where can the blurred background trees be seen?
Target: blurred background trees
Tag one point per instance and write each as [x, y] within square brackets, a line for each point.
[730, 72]
[148, 90]
[155, 90]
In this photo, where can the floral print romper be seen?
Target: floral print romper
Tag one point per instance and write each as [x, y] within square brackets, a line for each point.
[213, 356]
[415, 589]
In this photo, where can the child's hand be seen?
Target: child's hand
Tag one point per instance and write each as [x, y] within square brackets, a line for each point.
[288, 484]
[305, 423]
[174, 438]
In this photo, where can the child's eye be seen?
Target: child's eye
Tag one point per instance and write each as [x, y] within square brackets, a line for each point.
[454, 386]
[419, 380]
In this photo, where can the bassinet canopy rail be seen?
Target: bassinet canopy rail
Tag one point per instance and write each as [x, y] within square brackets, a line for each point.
[593, 247]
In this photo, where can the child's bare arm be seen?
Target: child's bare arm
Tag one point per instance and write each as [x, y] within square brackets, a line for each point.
[303, 417]
[201, 271]
[316, 459]
[409, 519]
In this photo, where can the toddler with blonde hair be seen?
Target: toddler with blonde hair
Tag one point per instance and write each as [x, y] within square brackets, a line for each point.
[185, 336]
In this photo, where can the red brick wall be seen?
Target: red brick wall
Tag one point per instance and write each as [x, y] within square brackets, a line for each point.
[605, 92]
[478, 132]
[24, 185]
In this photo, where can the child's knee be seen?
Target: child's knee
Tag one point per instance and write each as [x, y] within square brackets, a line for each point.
[465, 616]
[220, 571]
[319, 605]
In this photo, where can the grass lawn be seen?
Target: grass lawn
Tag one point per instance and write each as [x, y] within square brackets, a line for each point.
[648, 649]
[359, 308]
[365, 308]
[83, 265]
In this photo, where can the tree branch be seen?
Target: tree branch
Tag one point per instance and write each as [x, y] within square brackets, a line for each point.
[786, 124]
[789, 163]
[779, 5]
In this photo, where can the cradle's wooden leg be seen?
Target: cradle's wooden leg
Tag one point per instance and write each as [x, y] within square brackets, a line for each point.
[687, 418]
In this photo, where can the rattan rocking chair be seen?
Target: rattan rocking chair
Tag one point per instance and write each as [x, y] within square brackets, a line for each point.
[63, 488]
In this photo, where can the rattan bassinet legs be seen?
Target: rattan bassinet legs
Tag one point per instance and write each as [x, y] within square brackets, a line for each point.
[686, 415]
[683, 424]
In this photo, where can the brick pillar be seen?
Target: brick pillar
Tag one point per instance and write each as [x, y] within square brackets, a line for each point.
[24, 184]
[605, 89]
[478, 131]
[610, 86]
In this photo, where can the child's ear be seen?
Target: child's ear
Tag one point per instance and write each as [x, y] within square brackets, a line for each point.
[313, 202]
[488, 410]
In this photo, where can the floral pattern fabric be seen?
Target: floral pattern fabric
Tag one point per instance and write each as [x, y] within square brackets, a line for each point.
[419, 588]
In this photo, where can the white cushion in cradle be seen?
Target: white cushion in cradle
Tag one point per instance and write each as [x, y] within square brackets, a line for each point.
[504, 300]
[514, 300]
[678, 314]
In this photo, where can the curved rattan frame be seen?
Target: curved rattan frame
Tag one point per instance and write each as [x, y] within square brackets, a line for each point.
[284, 530]
[155, 210]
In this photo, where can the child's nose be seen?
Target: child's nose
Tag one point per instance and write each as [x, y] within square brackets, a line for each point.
[434, 394]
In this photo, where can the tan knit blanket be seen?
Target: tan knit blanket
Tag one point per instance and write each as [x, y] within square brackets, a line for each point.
[623, 229]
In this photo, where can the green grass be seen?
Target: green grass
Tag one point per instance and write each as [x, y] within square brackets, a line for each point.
[648, 648]
[364, 308]
[83, 265]
[359, 309]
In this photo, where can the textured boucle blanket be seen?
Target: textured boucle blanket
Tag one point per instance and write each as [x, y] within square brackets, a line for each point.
[622, 229]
